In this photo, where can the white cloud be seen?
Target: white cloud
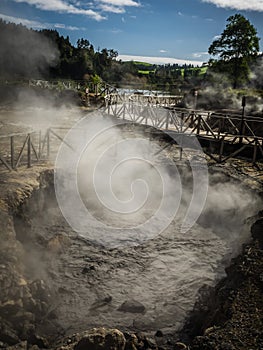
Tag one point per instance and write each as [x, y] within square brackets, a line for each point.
[199, 54]
[115, 6]
[63, 26]
[24, 21]
[35, 24]
[158, 60]
[62, 6]
[121, 3]
[110, 8]
[163, 51]
[253, 5]
[116, 31]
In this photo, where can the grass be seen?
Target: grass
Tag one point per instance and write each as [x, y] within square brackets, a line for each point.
[145, 72]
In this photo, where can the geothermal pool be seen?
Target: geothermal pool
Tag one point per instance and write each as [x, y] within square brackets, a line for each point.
[114, 271]
[151, 285]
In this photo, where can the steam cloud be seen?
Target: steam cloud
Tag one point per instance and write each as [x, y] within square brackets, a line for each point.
[25, 53]
[123, 180]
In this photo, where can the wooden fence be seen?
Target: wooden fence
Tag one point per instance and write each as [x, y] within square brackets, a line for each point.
[26, 149]
[219, 134]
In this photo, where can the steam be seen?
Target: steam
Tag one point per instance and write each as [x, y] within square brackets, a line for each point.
[126, 188]
[26, 53]
[118, 188]
[219, 94]
[123, 180]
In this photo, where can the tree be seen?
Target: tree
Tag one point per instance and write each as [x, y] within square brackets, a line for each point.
[236, 47]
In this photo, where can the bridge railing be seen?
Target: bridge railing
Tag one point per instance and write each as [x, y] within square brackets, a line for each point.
[243, 132]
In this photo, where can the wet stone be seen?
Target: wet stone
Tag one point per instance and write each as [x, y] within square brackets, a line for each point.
[132, 306]
[101, 339]
[159, 334]
[20, 346]
[8, 336]
[257, 231]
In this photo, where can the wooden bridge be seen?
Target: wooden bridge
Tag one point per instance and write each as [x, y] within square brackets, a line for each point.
[222, 136]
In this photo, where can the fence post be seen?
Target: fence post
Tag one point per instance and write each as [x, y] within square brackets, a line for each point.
[39, 144]
[221, 150]
[48, 142]
[12, 152]
[255, 151]
[29, 151]
[198, 124]
[167, 120]
[241, 130]
[124, 107]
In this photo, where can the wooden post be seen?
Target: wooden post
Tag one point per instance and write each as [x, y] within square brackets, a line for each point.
[198, 124]
[39, 144]
[241, 130]
[221, 150]
[48, 142]
[29, 151]
[181, 136]
[12, 152]
[123, 115]
[167, 121]
[255, 151]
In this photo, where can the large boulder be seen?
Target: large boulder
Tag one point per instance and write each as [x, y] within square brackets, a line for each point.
[101, 339]
[257, 231]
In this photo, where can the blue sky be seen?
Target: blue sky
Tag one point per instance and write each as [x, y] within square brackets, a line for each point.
[164, 30]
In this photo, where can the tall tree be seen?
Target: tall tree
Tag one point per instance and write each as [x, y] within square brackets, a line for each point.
[236, 47]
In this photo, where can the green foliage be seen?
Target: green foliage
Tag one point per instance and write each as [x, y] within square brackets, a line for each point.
[237, 46]
[82, 62]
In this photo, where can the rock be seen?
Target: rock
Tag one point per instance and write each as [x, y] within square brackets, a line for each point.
[23, 316]
[8, 336]
[132, 306]
[41, 342]
[19, 346]
[159, 334]
[58, 244]
[131, 341]
[150, 343]
[11, 307]
[257, 231]
[102, 339]
[88, 269]
[179, 346]
[22, 282]
[39, 290]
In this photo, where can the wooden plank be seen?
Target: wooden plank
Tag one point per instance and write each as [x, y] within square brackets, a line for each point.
[61, 139]
[21, 152]
[12, 150]
[29, 151]
[5, 164]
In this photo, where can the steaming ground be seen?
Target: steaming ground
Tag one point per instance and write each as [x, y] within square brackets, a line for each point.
[163, 274]
[138, 284]
[150, 286]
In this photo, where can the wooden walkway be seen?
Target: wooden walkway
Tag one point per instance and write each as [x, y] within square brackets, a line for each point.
[222, 136]
[219, 134]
